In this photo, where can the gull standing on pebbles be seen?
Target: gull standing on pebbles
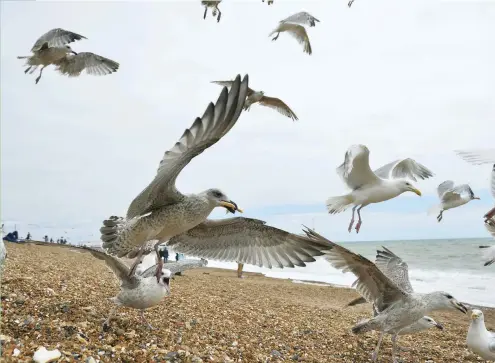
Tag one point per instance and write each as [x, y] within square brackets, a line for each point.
[52, 48]
[294, 26]
[373, 186]
[397, 308]
[489, 254]
[452, 197]
[259, 97]
[479, 340]
[214, 6]
[398, 272]
[162, 213]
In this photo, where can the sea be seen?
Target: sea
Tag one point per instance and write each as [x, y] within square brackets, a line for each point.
[451, 265]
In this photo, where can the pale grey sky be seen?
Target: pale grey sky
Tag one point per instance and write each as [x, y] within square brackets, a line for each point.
[408, 78]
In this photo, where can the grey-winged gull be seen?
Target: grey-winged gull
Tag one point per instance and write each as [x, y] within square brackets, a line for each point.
[259, 97]
[302, 18]
[376, 186]
[297, 31]
[214, 8]
[479, 340]
[160, 212]
[452, 196]
[52, 48]
[397, 308]
[489, 251]
[397, 271]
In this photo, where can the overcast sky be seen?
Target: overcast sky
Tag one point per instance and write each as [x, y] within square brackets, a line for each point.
[409, 78]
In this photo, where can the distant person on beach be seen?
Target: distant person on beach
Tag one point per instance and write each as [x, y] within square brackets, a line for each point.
[164, 254]
[51, 240]
[177, 257]
[58, 240]
[46, 238]
[28, 237]
[240, 266]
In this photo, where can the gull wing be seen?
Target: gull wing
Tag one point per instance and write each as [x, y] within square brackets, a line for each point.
[94, 64]
[228, 84]
[460, 191]
[371, 282]
[217, 120]
[56, 38]
[490, 226]
[298, 32]
[355, 171]
[444, 187]
[278, 105]
[302, 18]
[175, 267]
[477, 156]
[394, 268]
[492, 181]
[249, 241]
[404, 168]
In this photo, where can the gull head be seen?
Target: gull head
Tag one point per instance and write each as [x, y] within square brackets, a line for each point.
[428, 322]
[406, 186]
[69, 50]
[477, 315]
[447, 301]
[165, 279]
[219, 199]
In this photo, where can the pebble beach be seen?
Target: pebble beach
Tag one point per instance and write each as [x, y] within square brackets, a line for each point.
[58, 298]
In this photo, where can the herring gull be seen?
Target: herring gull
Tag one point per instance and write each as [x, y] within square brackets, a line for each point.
[452, 196]
[214, 6]
[160, 213]
[479, 340]
[489, 251]
[52, 48]
[259, 97]
[302, 18]
[375, 186]
[297, 31]
[396, 307]
[398, 272]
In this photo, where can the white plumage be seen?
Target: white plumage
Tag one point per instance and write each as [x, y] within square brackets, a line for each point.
[452, 196]
[479, 340]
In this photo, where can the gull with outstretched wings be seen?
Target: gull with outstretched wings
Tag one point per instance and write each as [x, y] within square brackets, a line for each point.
[368, 186]
[302, 18]
[452, 196]
[297, 31]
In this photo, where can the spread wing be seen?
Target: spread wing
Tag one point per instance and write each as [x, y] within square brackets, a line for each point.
[477, 156]
[490, 226]
[371, 282]
[492, 181]
[228, 84]
[405, 168]
[298, 32]
[249, 241]
[302, 18]
[394, 268]
[444, 187]
[56, 38]
[278, 105]
[176, 267]
[355, 171]
[217, 120]
[459, 192]
[94, 64]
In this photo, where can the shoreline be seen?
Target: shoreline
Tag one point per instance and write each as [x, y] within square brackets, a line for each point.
[52, 296]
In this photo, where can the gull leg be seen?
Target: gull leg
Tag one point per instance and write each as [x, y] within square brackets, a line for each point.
[276, 37]
[150, 327]
[440, 216]
[106, 324]
[395, 359]
[352, 219]
[219, 14]
[490, 214]
[41, 71]
[27, 69]
[159, 265]
[350, 3]
[137, 261]
[206, 11]
[360, 221]
[377, 348]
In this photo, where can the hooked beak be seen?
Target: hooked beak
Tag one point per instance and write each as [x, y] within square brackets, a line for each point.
[230, 206]
[459, 306]
[73, 52]
[415, 191]
[476, 198]
[439, 326]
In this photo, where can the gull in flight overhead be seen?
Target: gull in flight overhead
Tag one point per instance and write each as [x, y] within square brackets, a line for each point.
[259, 97]
[302, 18]
[375, 186]
[294, 25]
[398, 272]
[269, 1]
[489, 254]
[477, 156]
[214, 6]
[452, 197]
[397, 308]
[52, 48]
[479, 340]
[160, 213]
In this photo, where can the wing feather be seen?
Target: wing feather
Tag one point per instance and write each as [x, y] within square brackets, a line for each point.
[492, 182]
[355, 171]
[302, 18]
[278, 105]
[394, 268]
[405, 168]
[477, 156]
[444, 187]
[56, 38]
[296, 31]
[175, 267]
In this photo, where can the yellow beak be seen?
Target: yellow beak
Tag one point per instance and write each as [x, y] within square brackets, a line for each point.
[474, 316]
[230, 206]
[416, 191]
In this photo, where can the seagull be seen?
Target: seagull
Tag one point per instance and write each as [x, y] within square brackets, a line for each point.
[452, 197]
[259, 97]
[160, 213]
[480, 340]
[396, 307]
[489, 254]
[269, 1]
[375, 186]
[477, 156]
[214, 6]
[52, 48]
[349, 4]
[302, 18]
[397, 271]
[297, 31]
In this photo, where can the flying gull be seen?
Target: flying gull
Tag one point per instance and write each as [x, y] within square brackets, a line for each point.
[397, 271]
[375, 186]
[480, 340]
[489, 254]
[52, 48]
[269, 1]
[477, 156]
[162, 213]
[452, 196]
[302, 18]
[491, 212]
[297, 31]
[214, 6]
[259, 97]
[397, 308]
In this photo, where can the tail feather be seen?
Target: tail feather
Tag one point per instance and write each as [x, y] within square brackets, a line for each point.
[362, 327]
[359, 300]
[339, 204]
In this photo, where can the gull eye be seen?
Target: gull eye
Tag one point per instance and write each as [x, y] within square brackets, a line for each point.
[448, 296]
[217, 194]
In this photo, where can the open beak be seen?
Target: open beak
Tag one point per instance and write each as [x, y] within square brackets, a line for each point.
[230, 206]
[459, 306]
[416, 191]
[439, 326]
